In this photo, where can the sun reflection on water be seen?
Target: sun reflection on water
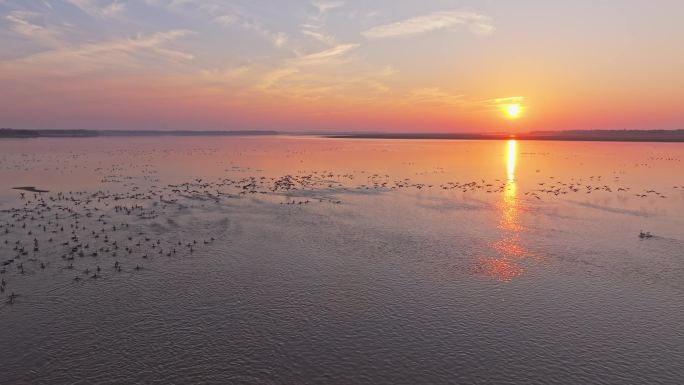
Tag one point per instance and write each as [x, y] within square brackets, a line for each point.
[511, 158]
[509, 204]
[505, 266]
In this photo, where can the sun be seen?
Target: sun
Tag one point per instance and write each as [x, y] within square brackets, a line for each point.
[513, 111]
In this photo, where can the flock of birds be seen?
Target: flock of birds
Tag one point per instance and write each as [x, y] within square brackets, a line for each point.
[91, 234]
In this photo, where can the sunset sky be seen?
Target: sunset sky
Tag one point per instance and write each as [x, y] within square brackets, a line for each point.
[328, 65]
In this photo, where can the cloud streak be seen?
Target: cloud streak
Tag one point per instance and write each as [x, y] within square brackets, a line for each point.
[21, 23]
[294, 65]
[95, 10]
[113, 55]
[326, 6]
[328, 54]
[223, 13]
[478, 24]
[316, 25]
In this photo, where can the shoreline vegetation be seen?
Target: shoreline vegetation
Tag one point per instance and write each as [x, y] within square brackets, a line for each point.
[21, 133]
[574, 135]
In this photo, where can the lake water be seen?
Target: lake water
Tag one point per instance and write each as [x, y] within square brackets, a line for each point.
[301, 260]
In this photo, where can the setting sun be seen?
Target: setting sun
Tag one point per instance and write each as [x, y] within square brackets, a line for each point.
[513, 111]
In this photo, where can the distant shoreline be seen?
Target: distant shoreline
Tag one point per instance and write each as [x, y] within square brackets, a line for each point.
[671, 136]
[19, 133]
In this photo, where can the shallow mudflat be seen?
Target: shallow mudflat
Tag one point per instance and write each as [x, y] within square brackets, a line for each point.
[278, 260]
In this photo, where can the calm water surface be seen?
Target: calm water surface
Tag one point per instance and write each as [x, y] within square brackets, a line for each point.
[284, 260]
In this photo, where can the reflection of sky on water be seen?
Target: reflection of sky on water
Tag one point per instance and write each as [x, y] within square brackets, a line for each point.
[390, 266]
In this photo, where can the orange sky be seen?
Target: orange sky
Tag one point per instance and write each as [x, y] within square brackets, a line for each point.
[432, 66]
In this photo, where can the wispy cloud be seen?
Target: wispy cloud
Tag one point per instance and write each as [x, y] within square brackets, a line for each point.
[226, 20]
[22, 23]
[440, 98]
[326, 6]
[294, 66]
[113, 55]
[96, 9]
[225, 13]
[478, 24]
[327, 54]
[322, 37]
[278, 39]
[315, 27]
[498, 103]
[273, 77]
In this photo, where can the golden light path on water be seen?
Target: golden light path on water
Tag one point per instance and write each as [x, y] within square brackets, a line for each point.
[509, 206]
[511, 158]
[505, 266]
